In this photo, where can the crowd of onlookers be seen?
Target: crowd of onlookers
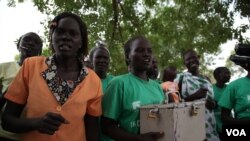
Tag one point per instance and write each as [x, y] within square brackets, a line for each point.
[64, 97]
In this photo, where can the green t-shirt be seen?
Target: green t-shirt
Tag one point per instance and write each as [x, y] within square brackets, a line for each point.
[106, 81]
[237, 97]
[157, 81]
[217, 112]
[123, 97]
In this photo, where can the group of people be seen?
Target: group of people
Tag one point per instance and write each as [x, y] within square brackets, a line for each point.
[61, 97]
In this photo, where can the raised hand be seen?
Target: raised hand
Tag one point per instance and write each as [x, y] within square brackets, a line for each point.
[201, 93]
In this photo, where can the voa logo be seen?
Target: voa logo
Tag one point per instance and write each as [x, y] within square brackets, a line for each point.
[236, 132]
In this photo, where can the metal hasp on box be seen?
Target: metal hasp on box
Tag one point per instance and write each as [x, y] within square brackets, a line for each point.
[179, 121]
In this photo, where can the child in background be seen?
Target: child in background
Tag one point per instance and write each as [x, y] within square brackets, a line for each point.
[169, 87]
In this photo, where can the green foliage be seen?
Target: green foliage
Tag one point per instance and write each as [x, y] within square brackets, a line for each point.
[172, 26]
[17, 57]
[47, 51]
[243, 7]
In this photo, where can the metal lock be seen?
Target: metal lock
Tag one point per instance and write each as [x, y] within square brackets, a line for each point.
[194, 110]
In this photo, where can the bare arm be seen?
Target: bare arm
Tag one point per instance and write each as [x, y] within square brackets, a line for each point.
[201, 93]
[91, 125]
[12, 121]
[110, 127]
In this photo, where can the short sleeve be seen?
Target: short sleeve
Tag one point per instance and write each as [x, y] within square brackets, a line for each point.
[94, 106]
[18, 89]
[227, 98]
[112, 100]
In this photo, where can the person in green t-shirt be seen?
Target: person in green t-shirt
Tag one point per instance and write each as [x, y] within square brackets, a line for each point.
[126, 93]
[99, 57]
[222, 76]
[236, 97]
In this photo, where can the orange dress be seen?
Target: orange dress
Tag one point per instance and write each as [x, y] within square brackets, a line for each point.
[30, 88]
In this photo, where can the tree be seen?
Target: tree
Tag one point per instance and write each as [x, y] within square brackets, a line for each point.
[242, 6]
[171, 25]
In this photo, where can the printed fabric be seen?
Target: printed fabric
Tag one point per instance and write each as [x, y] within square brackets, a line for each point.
[191, 84]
